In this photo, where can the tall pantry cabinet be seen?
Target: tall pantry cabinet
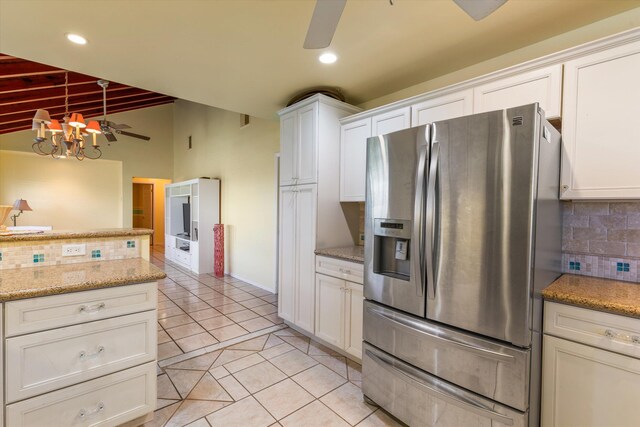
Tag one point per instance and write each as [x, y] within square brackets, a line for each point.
[310, 215]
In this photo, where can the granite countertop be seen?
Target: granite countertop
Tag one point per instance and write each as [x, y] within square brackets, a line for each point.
[75, 234]
[599, 294]
[347, 253]
[18, 283]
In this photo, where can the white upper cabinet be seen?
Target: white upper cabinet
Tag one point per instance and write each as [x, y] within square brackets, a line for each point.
[444, 107]
[542, 85]
[391, 121]
[299, 146]
[601, 137]
[353, 160]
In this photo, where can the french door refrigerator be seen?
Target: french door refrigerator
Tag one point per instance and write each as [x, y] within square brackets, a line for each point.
[462, 232]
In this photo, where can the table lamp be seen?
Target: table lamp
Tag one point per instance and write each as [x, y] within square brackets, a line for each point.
[19, 205]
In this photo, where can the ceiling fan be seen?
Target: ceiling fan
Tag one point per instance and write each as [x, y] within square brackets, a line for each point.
[326, 16]
[110, 128]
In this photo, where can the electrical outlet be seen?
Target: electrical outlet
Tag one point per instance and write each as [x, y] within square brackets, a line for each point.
[74, 250]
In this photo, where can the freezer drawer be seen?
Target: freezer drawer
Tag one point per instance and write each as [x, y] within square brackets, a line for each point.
[420, 399]
[496, 371]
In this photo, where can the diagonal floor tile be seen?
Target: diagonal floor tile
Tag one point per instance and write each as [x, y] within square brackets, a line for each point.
[379, 419]
[337, 364]
[319, 380]
[195, 342]
[201, 363]
[283, 398]
[209, 389]
[293, 362]
[347, 401]
[184, 380]
[167, 350]
[314, 415]
[185, 330]
[233, 387]
[245, 413]
[272, 341]
[272, 352]
[256, 324]
[259, 376]
[165, 388]
[229, 356]
[245, 362]
[191, 410]
[161, 416]
[255, 344]
[301, 343]
[216, 322]
[228, 332]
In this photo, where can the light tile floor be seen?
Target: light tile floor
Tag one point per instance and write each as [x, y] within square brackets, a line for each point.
[226, 359]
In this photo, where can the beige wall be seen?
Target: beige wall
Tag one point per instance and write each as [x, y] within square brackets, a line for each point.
[615, 24]
[150, 159]
[243, 159]
[64, 194]
[158, 206]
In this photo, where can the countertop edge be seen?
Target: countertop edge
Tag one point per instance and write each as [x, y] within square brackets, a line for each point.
[320, 252]
[88, 234]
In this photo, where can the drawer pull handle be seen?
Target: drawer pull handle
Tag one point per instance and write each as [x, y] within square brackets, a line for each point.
[610, 333]
[84, 413]
[342, 270]
[92, 308]
[83, 354]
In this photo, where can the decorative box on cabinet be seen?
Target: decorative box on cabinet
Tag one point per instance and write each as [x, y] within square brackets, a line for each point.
[542, 85]
[591, 368]
[339, 304]
[599, 126]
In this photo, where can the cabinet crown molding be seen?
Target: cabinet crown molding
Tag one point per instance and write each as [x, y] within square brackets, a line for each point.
[324, 100]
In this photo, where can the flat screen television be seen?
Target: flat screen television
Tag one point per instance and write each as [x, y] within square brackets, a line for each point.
[186, 218]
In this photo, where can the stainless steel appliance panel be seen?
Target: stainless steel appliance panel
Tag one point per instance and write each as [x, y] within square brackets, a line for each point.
[420, 399]
[394, 207]
[480, 222]
[496, 371]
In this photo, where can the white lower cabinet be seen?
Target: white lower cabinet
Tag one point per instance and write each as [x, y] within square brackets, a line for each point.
[589, 385]
[339, 305]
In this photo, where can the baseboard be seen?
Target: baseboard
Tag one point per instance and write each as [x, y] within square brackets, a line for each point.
[251, 282]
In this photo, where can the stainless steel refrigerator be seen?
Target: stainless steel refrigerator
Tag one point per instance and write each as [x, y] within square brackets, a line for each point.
[462, 232]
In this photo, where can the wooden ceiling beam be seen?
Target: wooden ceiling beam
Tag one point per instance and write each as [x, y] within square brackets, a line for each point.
[16, 67]
[74, 101]
[58, 92]
[13, 84]
[86, 110]
[26, 125]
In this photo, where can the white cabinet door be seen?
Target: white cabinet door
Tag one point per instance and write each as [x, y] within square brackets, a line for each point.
[584, 386]
[543, 86]
[287, 254]
[305, 220]
[600, 132]
[330, 309]
[354, 306]
[307, 145]
[442, 108]
[353, 160]
[288, 154]
[391, 121]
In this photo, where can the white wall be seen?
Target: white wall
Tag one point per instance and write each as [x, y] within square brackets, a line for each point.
[148, 159]
[62, 193]
[243, 159]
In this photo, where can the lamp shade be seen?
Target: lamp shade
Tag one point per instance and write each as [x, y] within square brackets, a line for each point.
[21, 205]
[77, 120]
[35, 125]
[55, 126]
[42, 116]
[93, 127]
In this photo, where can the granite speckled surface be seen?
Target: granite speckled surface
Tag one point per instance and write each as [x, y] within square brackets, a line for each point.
[19, 283]
[347, 253]
[76, 234]
[598, 294]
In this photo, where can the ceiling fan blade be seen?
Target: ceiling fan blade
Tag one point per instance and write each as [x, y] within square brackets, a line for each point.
[133, 135]
[324, 22]
[479, 9]
[118, 126]
[110, 137]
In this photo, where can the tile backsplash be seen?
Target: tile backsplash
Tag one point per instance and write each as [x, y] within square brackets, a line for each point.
[601, 239]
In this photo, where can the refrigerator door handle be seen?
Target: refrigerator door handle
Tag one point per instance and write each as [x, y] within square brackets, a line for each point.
[438, 388]
[430, 223]
[417, 240]
[417, 326]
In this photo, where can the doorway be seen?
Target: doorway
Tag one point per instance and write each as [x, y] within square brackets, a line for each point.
[148, 207]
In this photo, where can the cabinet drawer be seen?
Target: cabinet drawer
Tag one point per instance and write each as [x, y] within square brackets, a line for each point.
[604, 330]
[107, 401]
[182, 257]
[50, 360]
[345, 270]
[39, 314]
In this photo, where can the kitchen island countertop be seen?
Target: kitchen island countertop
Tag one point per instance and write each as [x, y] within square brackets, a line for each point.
[608, 295]
[346, 253]
[19, 283]
[74, 234]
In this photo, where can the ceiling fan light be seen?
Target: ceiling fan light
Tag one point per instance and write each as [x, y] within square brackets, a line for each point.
[77, 121]
[42, 116]
[54, 126]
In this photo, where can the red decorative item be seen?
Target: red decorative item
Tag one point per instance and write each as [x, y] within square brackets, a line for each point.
[218, 250]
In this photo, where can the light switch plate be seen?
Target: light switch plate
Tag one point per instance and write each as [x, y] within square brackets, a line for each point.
[74, 250]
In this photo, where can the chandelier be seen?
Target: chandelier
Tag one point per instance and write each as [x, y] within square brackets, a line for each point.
[66, 139]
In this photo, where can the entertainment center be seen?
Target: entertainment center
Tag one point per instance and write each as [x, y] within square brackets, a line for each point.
[191, 209]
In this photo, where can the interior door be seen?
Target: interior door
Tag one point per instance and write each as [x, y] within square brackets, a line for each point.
[143, 207]
[480, 203]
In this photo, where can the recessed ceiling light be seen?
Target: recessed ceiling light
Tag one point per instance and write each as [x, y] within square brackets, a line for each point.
[328, 58]
[75, 38]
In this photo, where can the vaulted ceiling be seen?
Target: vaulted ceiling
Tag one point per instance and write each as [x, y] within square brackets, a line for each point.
[246, 55]
[26, 86]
